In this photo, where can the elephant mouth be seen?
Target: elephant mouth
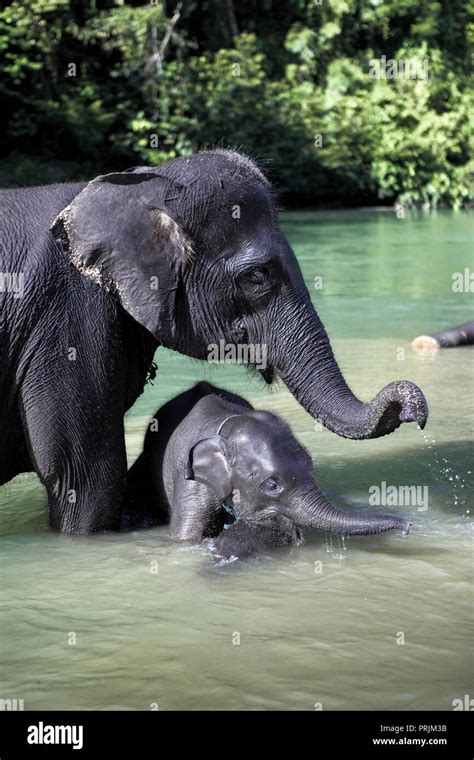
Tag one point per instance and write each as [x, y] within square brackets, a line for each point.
[268, 374]
[263, 515]
[256, 358]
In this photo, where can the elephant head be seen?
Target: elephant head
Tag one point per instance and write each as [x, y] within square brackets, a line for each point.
[194, 253]
[259, 470]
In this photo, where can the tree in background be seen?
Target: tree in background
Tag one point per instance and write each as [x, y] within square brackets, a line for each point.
[317, 92]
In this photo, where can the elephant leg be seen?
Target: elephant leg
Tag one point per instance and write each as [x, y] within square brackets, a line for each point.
[194, 508]
[84, 474]
[77, 447]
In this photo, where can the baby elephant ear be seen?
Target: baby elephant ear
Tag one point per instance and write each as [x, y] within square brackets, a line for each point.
[208, 464]
[118, 232]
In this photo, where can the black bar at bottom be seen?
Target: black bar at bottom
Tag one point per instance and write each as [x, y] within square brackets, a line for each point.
[378, 734]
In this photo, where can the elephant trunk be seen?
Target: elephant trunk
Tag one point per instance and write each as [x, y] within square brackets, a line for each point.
[303, 358]
[311, 509]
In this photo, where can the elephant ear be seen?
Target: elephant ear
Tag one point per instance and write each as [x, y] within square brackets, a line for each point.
[207, 463]
[117, 231]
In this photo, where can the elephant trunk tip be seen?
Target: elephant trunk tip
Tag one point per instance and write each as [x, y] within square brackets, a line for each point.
[371, 525]
[414, 405]
[399, 402]
[404, 526]
[396, 522]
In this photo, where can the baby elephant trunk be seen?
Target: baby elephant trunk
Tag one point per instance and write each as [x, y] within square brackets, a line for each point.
[311, 509]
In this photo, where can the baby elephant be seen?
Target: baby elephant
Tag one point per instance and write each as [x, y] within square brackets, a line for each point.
[210, 459]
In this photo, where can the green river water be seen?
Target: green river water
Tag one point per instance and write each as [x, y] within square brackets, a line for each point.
[133, 621]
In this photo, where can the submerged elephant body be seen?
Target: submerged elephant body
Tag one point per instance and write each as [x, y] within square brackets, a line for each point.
[184, 255]
[208, 453]
[454, 337]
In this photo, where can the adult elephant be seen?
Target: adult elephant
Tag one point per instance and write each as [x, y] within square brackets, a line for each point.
[98, 275]
[462, 335]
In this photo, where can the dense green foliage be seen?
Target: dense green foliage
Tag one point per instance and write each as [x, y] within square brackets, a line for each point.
[93, 85]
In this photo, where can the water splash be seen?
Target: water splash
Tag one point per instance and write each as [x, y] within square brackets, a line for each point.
[338, 551]
[447, 470]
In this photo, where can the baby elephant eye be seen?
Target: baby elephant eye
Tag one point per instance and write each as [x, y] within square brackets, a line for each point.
[272, 486]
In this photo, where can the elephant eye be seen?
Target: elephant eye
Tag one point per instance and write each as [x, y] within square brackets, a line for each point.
[272, 486]
[256, 276]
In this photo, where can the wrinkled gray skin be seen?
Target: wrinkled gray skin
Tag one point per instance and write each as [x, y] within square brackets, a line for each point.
[182, 255]
[208, 449]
